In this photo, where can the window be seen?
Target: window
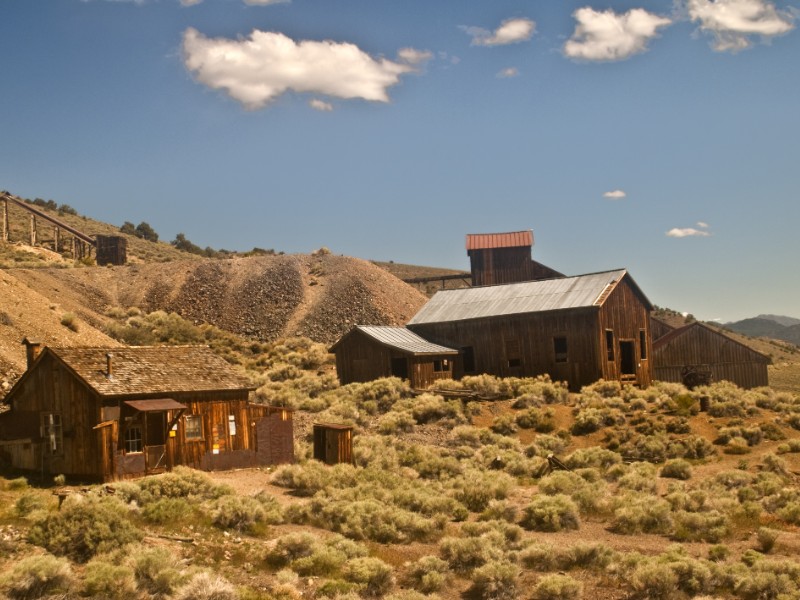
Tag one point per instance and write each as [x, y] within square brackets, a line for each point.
[232, 424]
[514, 362]
[469, 359]
[133, 438]
[52, 432]
[441, 366]
[609, 345]
[194, 427]
[513, 353]
[642, 344]
[560, 348]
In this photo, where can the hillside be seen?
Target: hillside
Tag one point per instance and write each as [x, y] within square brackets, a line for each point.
[766, 326]
[263, 298]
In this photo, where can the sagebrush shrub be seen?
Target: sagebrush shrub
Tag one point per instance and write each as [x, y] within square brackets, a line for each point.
[104, 579]
[677, 468]
[557, 587]
[157, 570]
[642, 514]
[376, 577]
[85, 527]
[238, 512]
[551, 513]
[496, 580]
[28, 503]
[428, 574]
[205, 586]
[37, 576]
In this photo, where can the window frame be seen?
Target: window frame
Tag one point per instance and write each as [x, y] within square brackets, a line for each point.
[610, 353]
[134, 444]
[52, 431]
[642, 344]
[561, 355]
[190, 432]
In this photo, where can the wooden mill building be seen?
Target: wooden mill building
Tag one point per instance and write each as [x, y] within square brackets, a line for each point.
[116, 413]
[699, 346]
[576, 329]
[497, 258]
[366, 353]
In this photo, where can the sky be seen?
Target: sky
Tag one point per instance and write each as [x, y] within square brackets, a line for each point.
[655, 135]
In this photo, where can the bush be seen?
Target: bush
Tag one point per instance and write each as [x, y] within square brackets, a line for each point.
[766, 539]
[205, 586]
[182, 482]
[156, 570]
[106, 580]
[428, 574]
[677, 468]
[465, 554]
[85, 527]
[557, 587]
[28, 503]
[709, 526]
[37, 576]
[373, 574]
[70, 321]
[551, 513]
[537, 419]
[238, 512]
[504, 425]
[642, 514]
[496, 580]
[166, 510]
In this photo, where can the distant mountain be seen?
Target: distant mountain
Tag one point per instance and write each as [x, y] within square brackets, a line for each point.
[785, 321]
[769, 326]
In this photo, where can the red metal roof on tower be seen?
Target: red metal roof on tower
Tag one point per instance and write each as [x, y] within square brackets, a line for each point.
[512, 239]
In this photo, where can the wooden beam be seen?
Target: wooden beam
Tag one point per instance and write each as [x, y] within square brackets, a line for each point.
[5, 220]
[33, 229]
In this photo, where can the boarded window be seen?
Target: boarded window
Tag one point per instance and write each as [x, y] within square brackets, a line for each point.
[194, 427]
[133, 438]
[53, 433]
[609, 345]
[441, 366]
[560, 348]
[642, 345]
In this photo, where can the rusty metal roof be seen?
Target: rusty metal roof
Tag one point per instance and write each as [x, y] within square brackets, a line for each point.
[582, 291]
[152, 370]
[512, 239]
[404, 340]
[156, 405]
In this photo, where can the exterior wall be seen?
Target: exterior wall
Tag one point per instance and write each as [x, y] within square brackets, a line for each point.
[359, 358]
[625, 315]
[523, 345]
[698, 345]
[506, 265]
[659, 329]
[52, 388]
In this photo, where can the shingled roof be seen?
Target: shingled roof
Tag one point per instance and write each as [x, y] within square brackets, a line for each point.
[583, 291]
[151, 370]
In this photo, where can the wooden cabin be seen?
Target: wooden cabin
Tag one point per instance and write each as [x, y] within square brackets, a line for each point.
[333, 443]
[497, 258]
[116, 413]
[576, 329]
[699, 346]
[366, 353]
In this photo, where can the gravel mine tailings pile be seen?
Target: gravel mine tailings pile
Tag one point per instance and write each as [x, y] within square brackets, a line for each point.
[268, 297]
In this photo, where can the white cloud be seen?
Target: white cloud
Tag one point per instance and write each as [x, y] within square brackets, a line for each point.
[702, 224]
[731, 22]
[615, 195]
[508, 72]
[190, 2]
[265, 2]
[320, 105]
[412, 56]
[687, 232]
[608, 36]
[258, 69]
[510, 31]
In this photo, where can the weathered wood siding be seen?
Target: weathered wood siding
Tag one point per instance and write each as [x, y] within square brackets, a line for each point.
[333, 444]
[52, 388]
[523, 345]
[494, 266]
[659, 328]
[360, 358]
[727, 359]
[627, 318]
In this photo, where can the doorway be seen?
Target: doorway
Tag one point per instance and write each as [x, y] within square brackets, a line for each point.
[400, 367]
[627, 359]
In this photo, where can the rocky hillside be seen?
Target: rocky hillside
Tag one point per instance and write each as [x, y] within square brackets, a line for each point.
[319, 296]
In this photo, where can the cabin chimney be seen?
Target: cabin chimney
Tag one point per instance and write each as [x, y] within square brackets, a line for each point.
[32, 350]
[109, 365]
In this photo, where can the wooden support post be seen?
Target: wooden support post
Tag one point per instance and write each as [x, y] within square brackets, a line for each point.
[55, 238]
[5, 220]
[73, 248]
[33, 229]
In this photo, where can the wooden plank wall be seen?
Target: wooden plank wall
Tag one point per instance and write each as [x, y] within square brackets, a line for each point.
[624, 313]
[728, 359]
[495, 266]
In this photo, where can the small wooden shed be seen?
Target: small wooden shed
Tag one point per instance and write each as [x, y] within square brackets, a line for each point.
[576, 329]
[700, 346]
[366, 353]
[497, 258]
[333, 443]
[116, 413]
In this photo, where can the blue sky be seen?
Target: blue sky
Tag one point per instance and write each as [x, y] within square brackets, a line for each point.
[654, 135]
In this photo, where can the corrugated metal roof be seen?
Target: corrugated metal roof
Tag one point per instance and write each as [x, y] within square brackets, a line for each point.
[518, 298]
[512, 239]
[153, 370]
[404, 340]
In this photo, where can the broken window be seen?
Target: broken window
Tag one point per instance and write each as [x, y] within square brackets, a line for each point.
[642, 344]
[52, 432]
[133, 438]
[609, 345]
[560, 348]
[194, 427]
